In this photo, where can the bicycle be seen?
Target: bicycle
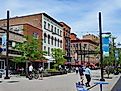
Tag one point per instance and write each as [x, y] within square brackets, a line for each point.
[34, 74]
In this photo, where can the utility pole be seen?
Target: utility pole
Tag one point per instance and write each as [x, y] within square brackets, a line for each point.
[101, 51]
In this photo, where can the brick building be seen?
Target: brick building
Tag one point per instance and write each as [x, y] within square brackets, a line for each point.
[52, 30]
[82, 49]
[66, 40]
[16, 33]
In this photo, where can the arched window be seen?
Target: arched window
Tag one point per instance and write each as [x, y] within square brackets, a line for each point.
[45, 37]
[61, 43]
[55, 41]
[48, 39]
[52, 40]
[58, 42]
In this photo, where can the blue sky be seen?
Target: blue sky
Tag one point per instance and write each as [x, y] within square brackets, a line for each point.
[80, 15]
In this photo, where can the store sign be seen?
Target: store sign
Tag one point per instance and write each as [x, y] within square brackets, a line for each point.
[4, 41]
[105, 44]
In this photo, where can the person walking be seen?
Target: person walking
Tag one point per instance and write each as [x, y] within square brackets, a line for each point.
[77, 70]
[30, 76]
[30, 69]
[81, 73]
[87, 75]
[41, 73]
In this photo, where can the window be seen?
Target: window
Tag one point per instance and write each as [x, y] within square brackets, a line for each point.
[61, 43]
[55, 29]
[55, 41]
[52, 40]
[35, 35]
[48, 26]
[58, 31]
[51, 28]
[44, 48]
[44, 24]
[45, 37]
[48, 39]
[58, 42]
[48, 51]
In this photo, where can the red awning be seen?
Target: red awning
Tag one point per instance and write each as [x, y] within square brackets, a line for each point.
[45, 61]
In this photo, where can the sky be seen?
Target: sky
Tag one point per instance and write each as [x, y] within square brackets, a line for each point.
[80, 15]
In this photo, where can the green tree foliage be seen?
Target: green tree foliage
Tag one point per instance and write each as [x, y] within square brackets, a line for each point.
[30, 50]
[58, 56]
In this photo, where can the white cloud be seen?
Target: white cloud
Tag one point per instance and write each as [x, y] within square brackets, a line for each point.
[81, 15]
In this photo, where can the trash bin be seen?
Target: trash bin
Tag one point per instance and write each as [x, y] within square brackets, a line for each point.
[0, 75]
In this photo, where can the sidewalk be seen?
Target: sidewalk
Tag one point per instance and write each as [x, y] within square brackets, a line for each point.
[108, 87]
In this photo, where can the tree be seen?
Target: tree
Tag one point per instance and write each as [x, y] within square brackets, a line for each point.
[58, 56]
[30, 50]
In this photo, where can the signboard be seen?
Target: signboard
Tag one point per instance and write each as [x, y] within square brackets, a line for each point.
[105, 44]
[4, 41]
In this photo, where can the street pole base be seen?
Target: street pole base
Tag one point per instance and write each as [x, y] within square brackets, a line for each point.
[102, 79]
[6, 77]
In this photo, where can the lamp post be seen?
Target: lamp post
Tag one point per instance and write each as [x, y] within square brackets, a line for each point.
[7, 45]
[101, 51]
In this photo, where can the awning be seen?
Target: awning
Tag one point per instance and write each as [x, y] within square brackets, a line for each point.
[49, 58]
[45, 61]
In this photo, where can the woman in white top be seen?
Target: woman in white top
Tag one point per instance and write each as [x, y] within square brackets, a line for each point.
[87, 73]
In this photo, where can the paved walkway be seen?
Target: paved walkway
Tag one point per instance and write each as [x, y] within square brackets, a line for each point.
[54, 83]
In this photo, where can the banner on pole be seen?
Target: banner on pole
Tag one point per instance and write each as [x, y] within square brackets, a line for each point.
[4, 41]
[105, 44]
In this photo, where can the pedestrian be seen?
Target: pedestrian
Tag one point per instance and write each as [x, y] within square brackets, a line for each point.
[88, 75]
[77, 70]
[81, 73]
[30, 69]
[41, 70]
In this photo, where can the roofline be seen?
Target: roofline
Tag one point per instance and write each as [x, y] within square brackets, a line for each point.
[35, 15]
[65, 24]
[84, 40]
[73, 34]
[26, 24]
[52, 19]
[21, 16]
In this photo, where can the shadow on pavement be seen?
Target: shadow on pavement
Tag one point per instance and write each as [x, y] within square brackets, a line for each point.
[117, 86]
[108, 77]
[12, 81]
[95, 79]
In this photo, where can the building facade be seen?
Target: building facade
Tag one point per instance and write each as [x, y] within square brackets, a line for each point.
[66, 40]
[16, 35]
[52, 34]
[83, 50]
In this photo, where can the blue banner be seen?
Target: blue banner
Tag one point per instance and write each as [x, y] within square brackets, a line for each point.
[4, 41]
[105, 45]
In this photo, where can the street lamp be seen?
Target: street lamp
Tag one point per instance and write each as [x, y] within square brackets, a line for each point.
[101, 51]
[7, 45]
